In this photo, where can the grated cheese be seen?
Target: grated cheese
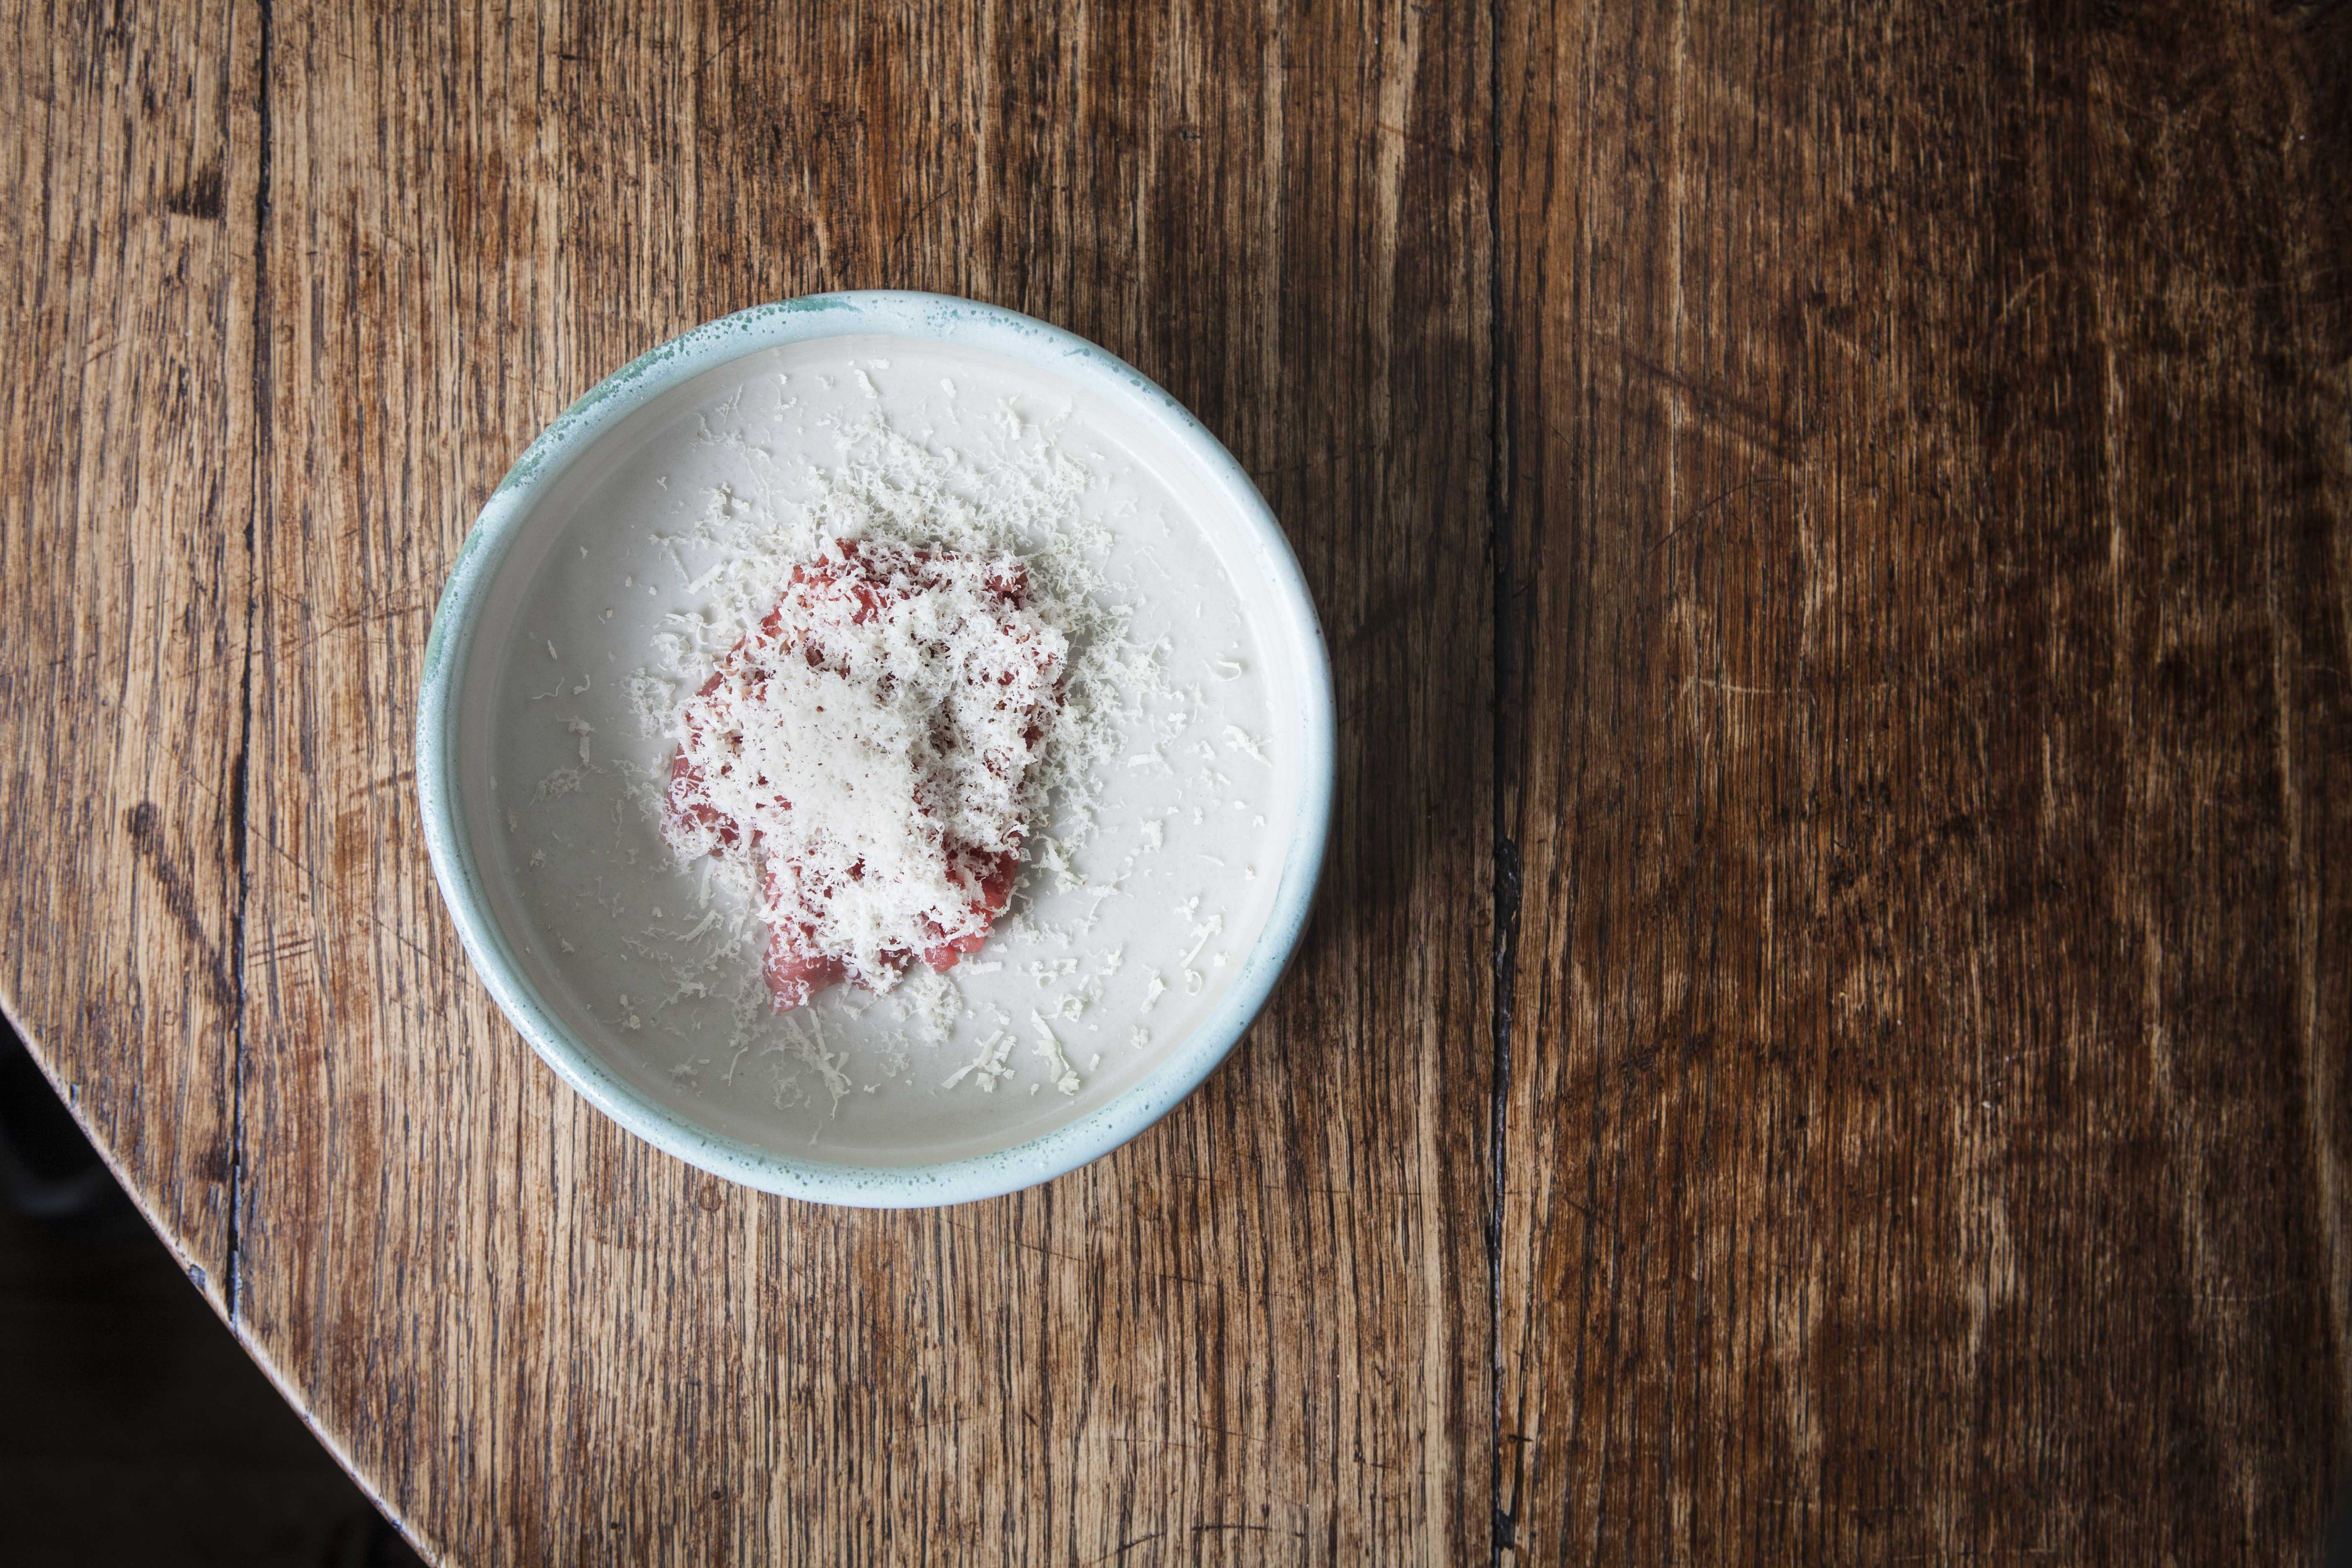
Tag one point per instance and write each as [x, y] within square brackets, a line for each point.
[869, 745]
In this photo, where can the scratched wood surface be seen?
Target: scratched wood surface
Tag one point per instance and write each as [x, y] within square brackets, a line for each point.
[1825, 1035]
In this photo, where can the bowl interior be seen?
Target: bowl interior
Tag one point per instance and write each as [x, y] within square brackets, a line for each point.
[1146, 932]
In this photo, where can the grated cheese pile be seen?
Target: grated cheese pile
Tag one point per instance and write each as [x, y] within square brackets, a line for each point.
[866, 752]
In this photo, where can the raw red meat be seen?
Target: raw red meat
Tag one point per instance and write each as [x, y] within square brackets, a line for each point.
[795, 971]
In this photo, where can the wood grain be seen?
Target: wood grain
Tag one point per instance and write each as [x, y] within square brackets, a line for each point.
[1824, 1037]
[1924, 1131]
[126, 540]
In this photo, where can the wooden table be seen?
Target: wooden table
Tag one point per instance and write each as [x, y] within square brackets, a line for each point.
[1825, 1034]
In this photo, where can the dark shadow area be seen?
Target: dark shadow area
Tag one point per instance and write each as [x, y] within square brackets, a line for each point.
[2336, 1546]
[133, 1427]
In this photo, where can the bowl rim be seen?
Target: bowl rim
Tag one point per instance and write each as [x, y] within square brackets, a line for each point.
[449, 648]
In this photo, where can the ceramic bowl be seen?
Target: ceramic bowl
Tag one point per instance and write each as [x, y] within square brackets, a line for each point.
[556, 508]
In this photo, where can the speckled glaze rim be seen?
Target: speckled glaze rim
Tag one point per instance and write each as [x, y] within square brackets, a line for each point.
[603, 408]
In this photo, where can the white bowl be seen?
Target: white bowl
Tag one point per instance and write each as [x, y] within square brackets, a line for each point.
[563, 492]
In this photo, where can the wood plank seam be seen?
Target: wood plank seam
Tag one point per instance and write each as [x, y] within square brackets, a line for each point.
[1504, 942]
[241, 774]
